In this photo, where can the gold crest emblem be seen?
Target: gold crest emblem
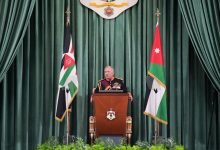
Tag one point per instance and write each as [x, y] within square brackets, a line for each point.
[111, 115]
[108, 9]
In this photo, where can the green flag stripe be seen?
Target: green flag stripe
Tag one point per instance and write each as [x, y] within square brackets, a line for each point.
[72, 88]
[66, 75]
[162, 109]
[158, 72]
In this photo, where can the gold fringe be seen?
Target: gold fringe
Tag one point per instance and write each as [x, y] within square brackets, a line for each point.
[69, 110]
[161, 83]
[158, 119]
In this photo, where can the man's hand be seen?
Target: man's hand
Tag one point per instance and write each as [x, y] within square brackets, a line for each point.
[130, 97]
[91, 98]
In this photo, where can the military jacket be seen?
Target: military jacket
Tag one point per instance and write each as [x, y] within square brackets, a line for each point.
[115, 84]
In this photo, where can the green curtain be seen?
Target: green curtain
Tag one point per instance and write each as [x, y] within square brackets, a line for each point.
[14, 19]
[28, 90]
[202, 21]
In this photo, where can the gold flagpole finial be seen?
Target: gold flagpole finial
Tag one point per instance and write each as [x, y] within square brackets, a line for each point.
[158, 15]
[68, 16]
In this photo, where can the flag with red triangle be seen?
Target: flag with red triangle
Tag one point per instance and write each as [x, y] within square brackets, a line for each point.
[68, 81]
[156, 104]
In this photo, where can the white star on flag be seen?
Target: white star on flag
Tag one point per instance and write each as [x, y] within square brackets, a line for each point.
[157, 50]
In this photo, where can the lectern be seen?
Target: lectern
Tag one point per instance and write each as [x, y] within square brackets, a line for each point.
[110, 116]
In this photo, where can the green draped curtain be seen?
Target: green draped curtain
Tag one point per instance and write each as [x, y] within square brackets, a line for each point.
[28, 91]
[202, 20]
[14, 19]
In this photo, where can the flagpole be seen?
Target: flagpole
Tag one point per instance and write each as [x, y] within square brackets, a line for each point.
[155, 121]
[156, 125]
[67, 118]
[68, 16]
[158, 128]
[158, 15]
[68, 121]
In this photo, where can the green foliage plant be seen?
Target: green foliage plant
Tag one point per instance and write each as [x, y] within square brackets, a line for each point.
[108, 144]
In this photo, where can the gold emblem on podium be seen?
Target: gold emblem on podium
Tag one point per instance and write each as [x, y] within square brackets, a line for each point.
[110, 115]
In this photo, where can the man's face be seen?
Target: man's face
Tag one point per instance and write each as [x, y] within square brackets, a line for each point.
[109, 73]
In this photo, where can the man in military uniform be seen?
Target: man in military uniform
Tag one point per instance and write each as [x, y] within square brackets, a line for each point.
[110, 82]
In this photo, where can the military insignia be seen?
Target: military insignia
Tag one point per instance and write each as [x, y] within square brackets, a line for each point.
[108, 9]
[116, 85]
[111, 114]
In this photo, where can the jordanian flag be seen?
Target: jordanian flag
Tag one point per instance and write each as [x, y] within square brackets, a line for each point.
[156, 105]
[68, 81]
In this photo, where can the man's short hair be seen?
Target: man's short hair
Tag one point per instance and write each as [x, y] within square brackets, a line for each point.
[111, 69]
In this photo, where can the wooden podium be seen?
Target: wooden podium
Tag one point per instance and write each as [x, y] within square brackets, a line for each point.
[110, 115]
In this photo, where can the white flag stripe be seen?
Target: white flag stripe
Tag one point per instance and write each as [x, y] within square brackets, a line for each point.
[154, 98]
[69, 98]
[75, 80]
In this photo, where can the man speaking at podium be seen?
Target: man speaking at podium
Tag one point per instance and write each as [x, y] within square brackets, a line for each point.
[111, 118]
[111, 84]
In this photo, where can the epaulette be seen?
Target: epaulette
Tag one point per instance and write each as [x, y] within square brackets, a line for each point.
[99, 84]
[119, 78]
